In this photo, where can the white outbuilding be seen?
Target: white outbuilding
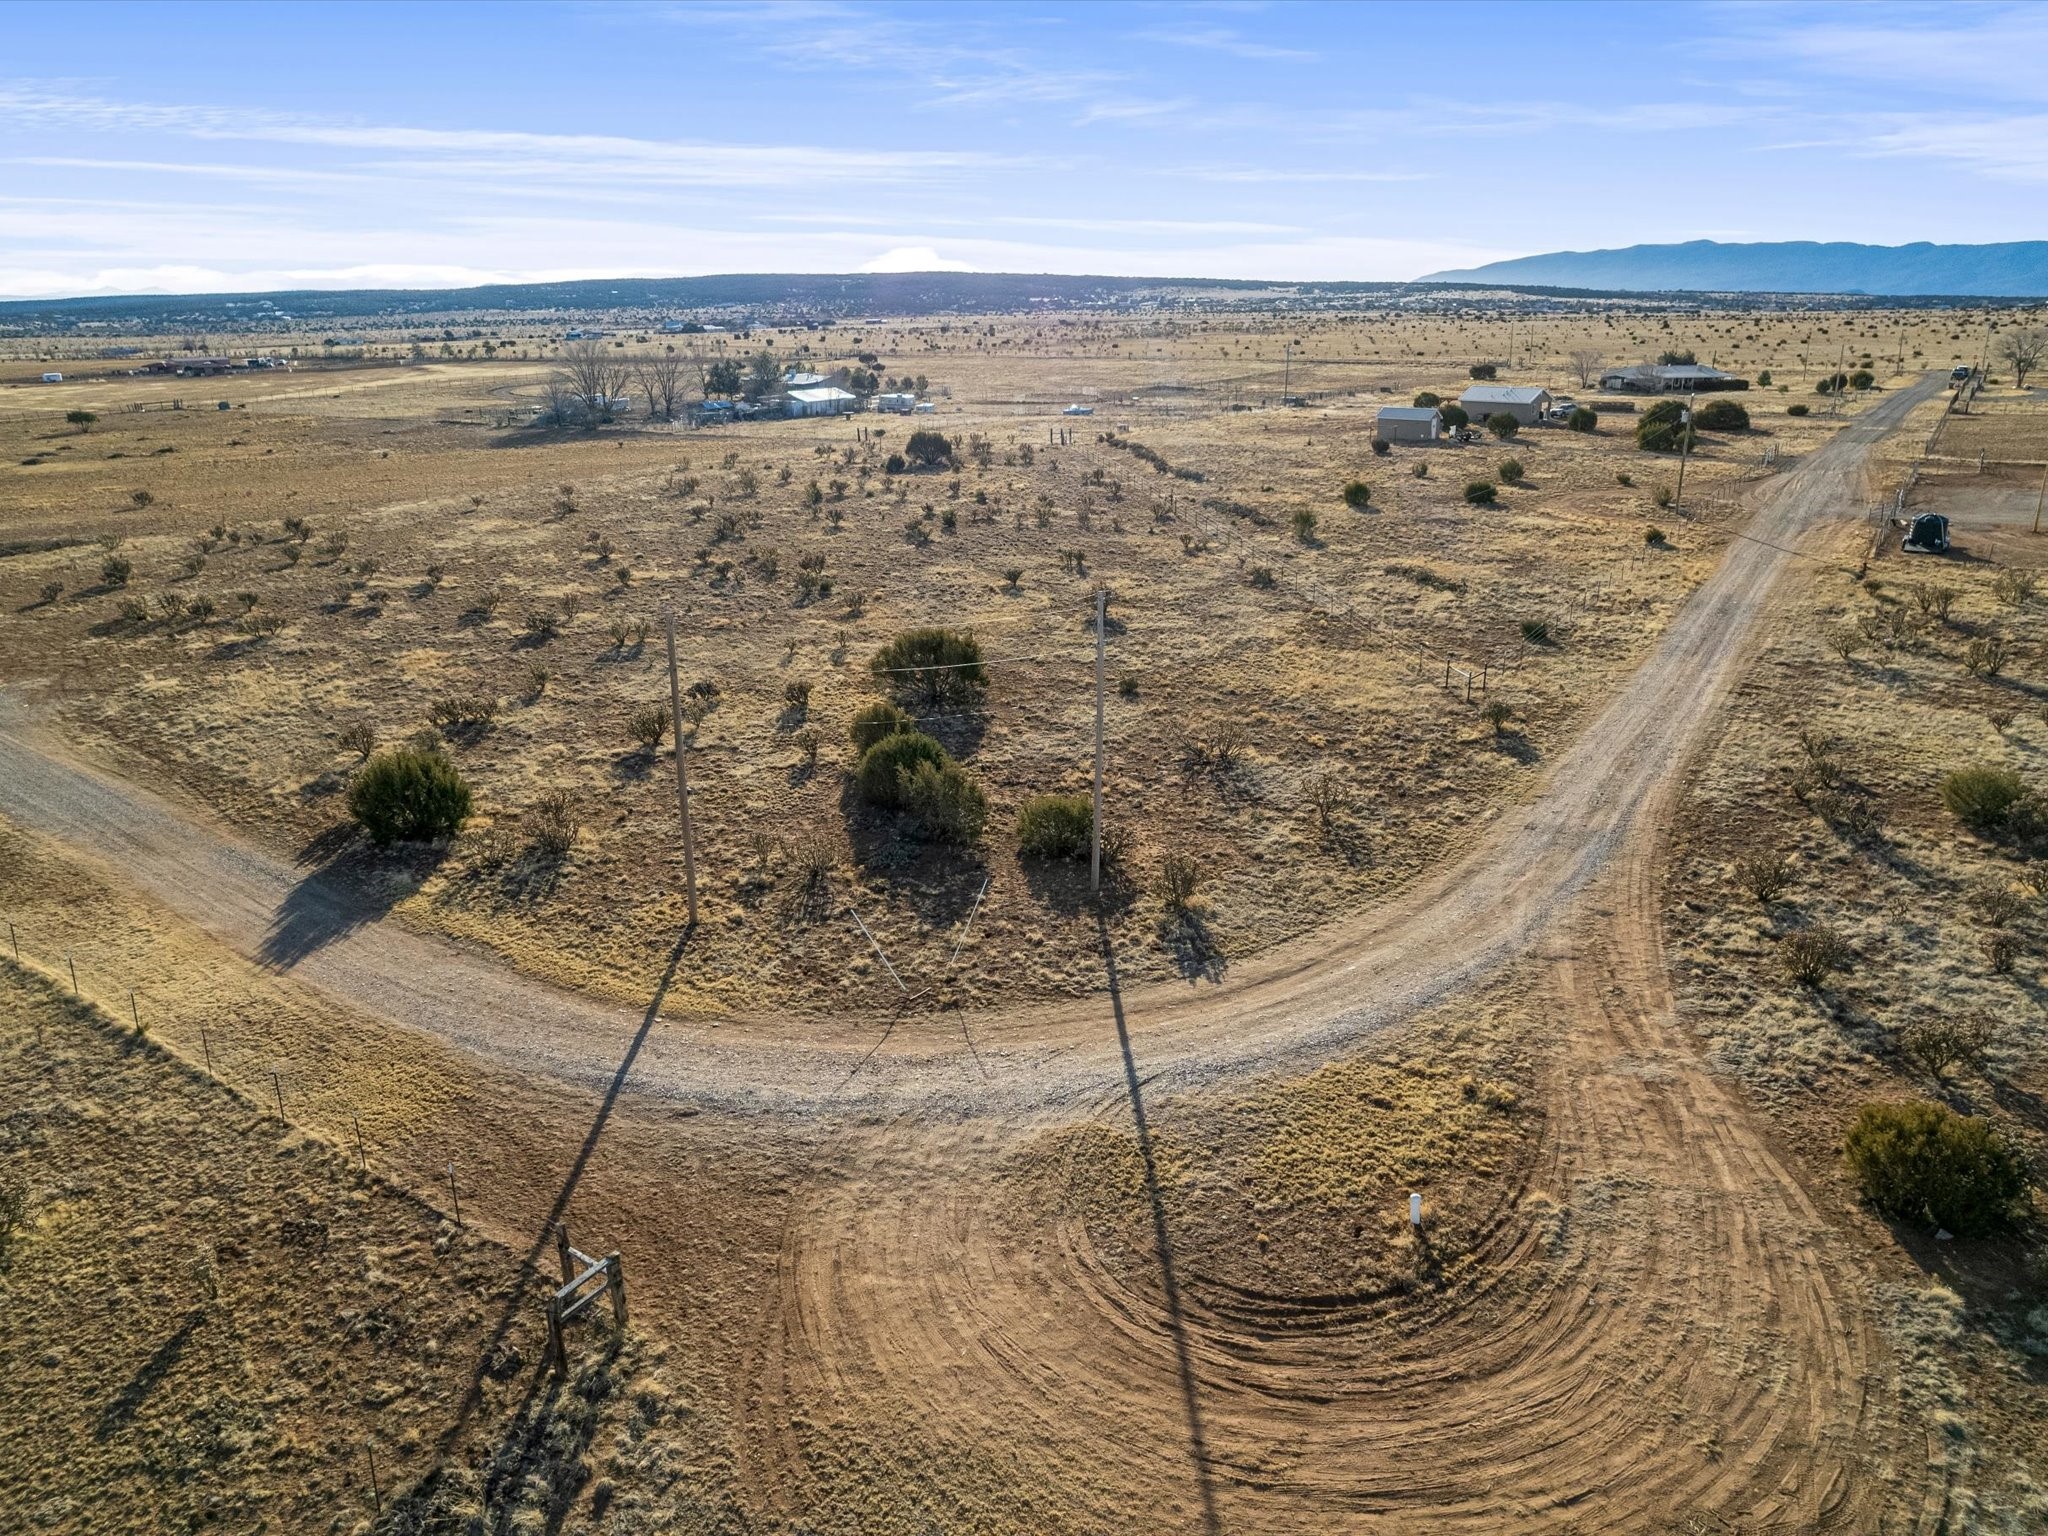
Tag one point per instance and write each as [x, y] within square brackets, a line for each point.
[1525, 402]
[1408, 424]
[823, 400]
[895, 402]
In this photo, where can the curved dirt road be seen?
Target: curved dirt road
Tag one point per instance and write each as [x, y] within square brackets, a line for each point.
[1296, 1001]
[1669, 1338]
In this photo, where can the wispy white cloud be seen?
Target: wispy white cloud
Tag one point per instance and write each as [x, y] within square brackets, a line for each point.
[1222, 40]
[2007, 148]
[508, 153]
[1991, 52]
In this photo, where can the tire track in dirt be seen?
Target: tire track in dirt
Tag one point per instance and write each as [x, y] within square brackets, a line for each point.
[1674, 1335]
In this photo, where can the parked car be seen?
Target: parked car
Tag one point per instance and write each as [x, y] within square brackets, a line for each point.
[1960, 374]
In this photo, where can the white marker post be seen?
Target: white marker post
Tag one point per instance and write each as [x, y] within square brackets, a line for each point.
[1415, 1212]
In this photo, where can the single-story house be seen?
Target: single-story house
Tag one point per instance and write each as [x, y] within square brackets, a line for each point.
[1525, 402]
[822, 400]
[1669, 379]
[895, 402]
[1409, 423]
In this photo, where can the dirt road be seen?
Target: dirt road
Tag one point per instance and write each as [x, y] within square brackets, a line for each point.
[1301, 999]
[1670, 1332]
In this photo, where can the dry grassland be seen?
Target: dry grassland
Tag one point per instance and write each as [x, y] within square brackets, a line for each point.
[216, 1324]
[1836, 764]
[434, 538]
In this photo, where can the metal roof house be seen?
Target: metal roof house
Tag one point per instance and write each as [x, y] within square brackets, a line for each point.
[1669, 379]
[1409, 424]
[1527, 403]
[822, 401]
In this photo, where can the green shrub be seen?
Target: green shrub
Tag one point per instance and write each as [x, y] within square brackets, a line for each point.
[1924, 1163]
[1660, 430]
[928, 448]
[1797, 410]
[1304, 524]
[1536, 631]
[1862, 378]
[1686, 359]
[1480, 493]
[1484, 370]
[408, 794]
[1763, 380]
[1502, 425]
[943, 802]
[1721, 416]
[1583, 420]
[115, 570]
[1983, 798]
[876, 721]
[1455, 418]
[1357, 494]
[1381, 447]
[932, 664]
[885, 766]
[1832, 384]
[1056, 826]
[1510, 471]
[1427, 401]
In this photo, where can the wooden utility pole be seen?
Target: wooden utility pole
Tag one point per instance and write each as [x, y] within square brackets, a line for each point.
[1684, 450]
[1095, 839]
[675, 701]
[2040, 496]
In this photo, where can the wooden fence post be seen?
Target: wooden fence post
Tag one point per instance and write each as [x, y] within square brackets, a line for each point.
[616, 1277]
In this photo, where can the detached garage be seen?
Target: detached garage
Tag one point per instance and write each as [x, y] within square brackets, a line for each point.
[1525, 402]
[1409, 424]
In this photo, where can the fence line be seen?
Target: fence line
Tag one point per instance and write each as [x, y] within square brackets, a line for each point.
[256, 1074]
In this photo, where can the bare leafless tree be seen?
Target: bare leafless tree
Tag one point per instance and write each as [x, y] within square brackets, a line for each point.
[595, 375]
[1585, 365]
[2024, 350]
[661, 377]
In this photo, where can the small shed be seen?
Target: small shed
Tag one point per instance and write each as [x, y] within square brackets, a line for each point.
[1409, 423]
[823, 400]
[1525, 402]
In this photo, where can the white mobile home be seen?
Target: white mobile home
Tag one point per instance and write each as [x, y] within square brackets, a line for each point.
[1669, 379]
[1525, 402]
[1409, 424]
[822, 401]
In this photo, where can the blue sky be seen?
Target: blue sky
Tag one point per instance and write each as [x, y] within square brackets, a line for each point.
[182, 148]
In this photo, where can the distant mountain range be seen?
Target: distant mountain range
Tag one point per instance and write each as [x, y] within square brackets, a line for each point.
[2012, 271]
[1701, 273]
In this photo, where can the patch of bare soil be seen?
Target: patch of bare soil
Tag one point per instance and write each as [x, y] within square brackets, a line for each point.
[1831, 766]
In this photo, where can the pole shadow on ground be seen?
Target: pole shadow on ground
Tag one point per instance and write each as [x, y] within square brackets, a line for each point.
[1176, 1322]
[528, 1422]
